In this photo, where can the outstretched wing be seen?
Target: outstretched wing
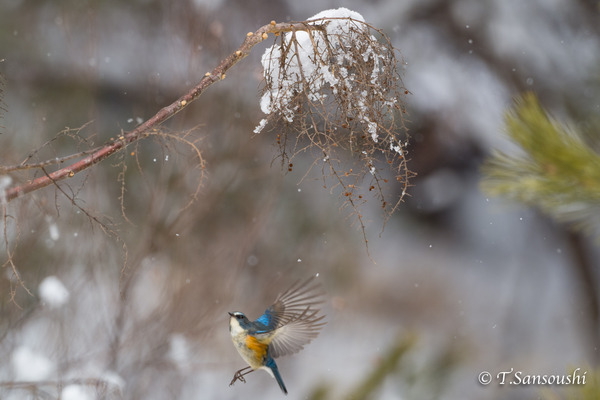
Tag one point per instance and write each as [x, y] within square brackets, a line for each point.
[291, 337]
[293, 320]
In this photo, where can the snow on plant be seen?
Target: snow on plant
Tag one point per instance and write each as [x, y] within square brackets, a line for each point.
[335, 86]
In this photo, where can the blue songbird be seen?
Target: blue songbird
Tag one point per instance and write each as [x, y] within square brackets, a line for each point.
[285, 327]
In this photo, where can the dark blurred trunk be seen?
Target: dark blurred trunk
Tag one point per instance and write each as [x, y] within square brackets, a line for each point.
[583, 267]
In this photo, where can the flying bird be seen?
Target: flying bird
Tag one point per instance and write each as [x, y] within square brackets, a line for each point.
[291, 322]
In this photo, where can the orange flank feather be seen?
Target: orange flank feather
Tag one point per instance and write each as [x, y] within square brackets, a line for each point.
[258, 348]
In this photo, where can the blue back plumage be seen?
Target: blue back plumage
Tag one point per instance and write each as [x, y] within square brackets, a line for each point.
[265, 322]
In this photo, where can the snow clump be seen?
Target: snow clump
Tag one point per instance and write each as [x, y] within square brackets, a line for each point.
[312, 62]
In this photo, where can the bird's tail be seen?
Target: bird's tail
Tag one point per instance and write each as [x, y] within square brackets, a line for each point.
[275, 372]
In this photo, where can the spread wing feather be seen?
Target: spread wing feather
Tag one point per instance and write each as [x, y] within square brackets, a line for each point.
[291, 337]
[292, 321]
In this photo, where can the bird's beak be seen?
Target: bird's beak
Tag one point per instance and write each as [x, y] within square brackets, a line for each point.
[230, 314]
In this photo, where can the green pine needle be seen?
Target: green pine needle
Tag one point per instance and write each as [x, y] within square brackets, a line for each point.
[558, 172]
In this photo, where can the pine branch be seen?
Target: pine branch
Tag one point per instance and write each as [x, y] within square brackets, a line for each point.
[558, 172]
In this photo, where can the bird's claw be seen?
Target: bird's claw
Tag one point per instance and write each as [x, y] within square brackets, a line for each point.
[237, 377]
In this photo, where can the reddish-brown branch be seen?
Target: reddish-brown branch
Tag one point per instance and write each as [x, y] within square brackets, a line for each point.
[161, 116]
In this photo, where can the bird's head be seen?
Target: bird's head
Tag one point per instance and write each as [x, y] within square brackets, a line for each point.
[238, 321]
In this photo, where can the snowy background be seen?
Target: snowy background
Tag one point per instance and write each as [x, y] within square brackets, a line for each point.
[483, 283]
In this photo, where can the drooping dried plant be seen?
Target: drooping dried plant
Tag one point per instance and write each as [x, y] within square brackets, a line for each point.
[337, 88]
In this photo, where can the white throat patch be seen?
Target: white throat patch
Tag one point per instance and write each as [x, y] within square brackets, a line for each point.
[234, 327]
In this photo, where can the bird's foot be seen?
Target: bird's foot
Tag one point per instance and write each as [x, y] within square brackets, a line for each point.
[239, 376]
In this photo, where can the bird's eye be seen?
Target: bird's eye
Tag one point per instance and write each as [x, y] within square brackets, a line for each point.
[238, 316]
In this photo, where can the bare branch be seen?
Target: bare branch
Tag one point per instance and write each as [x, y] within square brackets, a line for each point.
[147, 128]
